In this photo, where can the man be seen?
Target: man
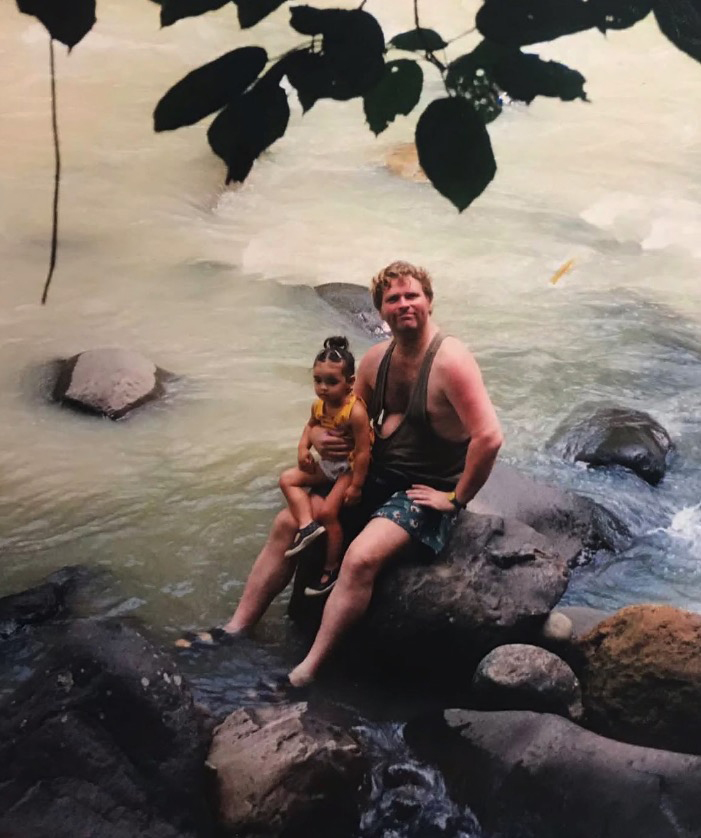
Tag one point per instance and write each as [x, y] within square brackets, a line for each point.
[436, 440]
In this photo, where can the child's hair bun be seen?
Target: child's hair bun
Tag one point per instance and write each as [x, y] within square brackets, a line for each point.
[339, 342]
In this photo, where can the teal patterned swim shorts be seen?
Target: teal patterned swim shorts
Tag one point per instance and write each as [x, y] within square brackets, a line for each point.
[430, 527]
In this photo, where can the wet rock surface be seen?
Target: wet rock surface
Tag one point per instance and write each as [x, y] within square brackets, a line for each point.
[108, 382]
[518, 676]
[618, 436]
[574, 525]
[282, 770]
[355, 302]
[541, 776]
[102, 740]
[642, 677]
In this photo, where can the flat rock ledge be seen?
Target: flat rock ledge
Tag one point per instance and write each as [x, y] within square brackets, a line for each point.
[542, 776]
[281, 770]
[109, 382]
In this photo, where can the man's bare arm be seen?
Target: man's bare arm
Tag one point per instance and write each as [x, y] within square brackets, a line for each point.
[461, 382]
[465, 390]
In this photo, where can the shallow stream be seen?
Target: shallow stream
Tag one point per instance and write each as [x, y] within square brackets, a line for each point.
[216, 285]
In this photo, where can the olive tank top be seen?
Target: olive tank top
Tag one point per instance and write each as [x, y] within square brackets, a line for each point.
[414, 452]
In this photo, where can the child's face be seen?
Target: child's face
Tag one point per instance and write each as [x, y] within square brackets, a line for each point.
[330, 384]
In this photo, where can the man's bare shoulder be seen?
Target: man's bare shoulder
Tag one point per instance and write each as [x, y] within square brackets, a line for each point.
[453, 352]
[371, 360]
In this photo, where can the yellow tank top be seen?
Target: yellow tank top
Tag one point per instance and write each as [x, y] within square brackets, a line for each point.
[331, 422]
[343, 415]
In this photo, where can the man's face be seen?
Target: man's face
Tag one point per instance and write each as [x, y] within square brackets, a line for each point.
[405, 307]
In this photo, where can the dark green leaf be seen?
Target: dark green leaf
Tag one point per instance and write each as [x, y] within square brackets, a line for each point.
[310, 74]
[532, 21]
[351, 60]
[454, 150]
[525, 76]
[248, 126]
[253, 11]
[619, 14]
[208, 88]
[398, 92]
[426, 40]
[68, 21]
[172, 10]
[472, 76]
[680, 21]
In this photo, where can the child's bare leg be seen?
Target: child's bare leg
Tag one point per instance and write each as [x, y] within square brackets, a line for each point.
[328, 516]
[294, 483]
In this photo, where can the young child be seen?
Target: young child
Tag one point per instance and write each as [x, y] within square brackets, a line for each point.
[335, 406]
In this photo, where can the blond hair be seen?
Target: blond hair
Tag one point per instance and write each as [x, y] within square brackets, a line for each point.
[397, 270]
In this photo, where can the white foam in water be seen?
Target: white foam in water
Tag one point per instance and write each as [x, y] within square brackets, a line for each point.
[686, 525]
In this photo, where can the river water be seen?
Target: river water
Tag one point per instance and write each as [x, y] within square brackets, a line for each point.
[215, 285]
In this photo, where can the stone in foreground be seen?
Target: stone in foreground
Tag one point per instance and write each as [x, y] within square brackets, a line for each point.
[642, 679]
[518, 676]
[282, 770]
[103, 741]
[541, 776]
[108, 382]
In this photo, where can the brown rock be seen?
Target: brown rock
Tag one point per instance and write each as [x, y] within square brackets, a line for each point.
[642, 678]
[279, 767]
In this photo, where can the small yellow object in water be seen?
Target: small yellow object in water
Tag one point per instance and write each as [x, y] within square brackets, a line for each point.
[561, 271]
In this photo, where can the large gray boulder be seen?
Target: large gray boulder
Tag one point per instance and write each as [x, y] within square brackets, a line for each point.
[606, 436]
[281, 770]
[495, 583]
[541, 776]
[108, 382]
[572, 524]
[102, 740]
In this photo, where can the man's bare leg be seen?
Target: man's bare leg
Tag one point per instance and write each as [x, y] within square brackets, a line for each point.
[270, 574]
[348, 601]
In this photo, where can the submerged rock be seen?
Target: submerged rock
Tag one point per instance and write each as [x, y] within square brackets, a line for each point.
[108, 382]
[642, 679]
[541, 776]
[518, 676]
[619, 436]
[283, 771]
[355, 302]
[102, 740]
[403, 161]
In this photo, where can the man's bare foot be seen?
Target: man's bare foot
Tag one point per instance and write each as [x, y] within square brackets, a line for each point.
[216, 636]
[299, 677]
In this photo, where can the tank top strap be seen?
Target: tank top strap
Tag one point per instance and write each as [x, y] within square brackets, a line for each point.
[417, 407]
[377, 402]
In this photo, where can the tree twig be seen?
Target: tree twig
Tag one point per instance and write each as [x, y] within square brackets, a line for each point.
[57, 174]
[430, 56]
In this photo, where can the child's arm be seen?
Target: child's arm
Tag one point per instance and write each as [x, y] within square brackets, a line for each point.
[360, 425]
[305, 461]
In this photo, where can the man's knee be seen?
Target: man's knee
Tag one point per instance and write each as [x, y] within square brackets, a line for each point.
[360, 565]
[284, 525]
